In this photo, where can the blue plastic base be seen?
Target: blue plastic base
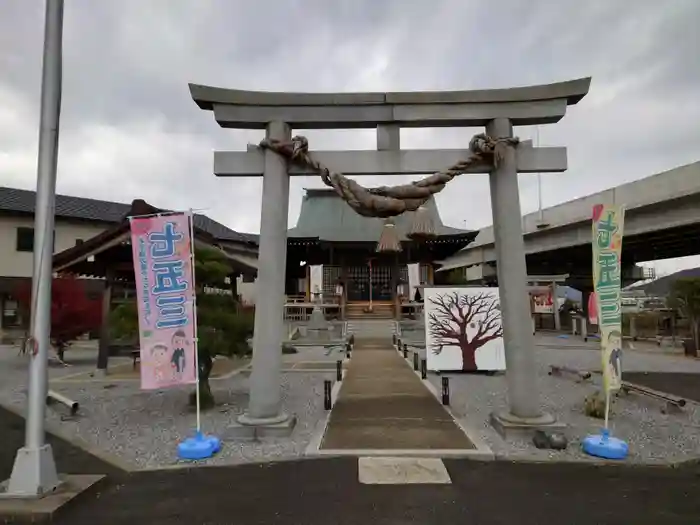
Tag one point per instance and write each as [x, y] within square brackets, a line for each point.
[198, 447]
[603, 446]
[563, 336]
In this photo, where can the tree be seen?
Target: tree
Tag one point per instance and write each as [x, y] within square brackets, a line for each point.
[685, 297]
[453, 313]
[455, 277]
[73, 312]
[222, 327]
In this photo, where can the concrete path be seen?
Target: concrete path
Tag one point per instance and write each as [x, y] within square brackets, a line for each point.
[383, 405]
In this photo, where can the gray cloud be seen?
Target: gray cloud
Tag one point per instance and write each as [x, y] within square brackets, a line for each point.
[130, 129]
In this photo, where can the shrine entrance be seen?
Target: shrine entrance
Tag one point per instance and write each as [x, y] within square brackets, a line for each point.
[375, 282]
[495, 151]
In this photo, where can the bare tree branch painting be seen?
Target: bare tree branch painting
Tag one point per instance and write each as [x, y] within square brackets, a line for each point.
[453, 312]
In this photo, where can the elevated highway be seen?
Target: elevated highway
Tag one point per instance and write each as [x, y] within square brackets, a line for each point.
[662, 221]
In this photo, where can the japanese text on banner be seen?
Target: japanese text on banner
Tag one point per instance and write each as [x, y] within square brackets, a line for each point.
[162, 254]
[608, 224]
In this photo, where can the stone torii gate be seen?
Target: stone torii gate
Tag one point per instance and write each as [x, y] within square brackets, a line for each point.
[496, 153]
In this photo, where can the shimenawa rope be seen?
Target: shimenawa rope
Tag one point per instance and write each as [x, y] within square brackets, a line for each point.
[390, 201]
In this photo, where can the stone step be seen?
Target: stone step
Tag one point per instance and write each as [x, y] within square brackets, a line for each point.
[371, 328]
[370, 324]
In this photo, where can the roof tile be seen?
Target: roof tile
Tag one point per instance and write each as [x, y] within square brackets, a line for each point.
[67, 207]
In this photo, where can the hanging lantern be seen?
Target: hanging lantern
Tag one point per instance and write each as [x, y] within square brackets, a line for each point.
[389, 239]
[423, 226]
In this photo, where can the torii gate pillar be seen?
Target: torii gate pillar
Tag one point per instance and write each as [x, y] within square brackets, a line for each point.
[518, 339]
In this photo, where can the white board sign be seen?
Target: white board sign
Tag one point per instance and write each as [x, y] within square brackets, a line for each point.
[463, 329]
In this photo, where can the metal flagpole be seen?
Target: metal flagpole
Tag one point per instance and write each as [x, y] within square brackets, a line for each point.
[539, 181]
[34, 471]
[190, 218]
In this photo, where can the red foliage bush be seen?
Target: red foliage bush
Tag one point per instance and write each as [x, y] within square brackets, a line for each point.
[73, 312]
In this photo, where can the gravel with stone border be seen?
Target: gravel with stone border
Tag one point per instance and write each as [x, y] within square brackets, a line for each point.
[653, 437]
[143, 428]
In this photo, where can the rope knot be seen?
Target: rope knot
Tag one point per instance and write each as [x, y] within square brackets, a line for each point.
[483, 145]
[300, 147]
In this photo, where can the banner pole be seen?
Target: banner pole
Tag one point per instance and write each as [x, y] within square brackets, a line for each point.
[194, 320]
[607, 407]
[607, 230]
[200, 446]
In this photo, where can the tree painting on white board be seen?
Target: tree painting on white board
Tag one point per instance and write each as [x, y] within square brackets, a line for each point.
[464, 330]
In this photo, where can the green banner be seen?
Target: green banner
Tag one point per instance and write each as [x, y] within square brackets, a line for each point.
[608, 225]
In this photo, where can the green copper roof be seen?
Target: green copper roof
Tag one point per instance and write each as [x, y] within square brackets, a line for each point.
[324, 215]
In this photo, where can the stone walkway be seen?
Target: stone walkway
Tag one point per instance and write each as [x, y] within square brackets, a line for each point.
[383, 405]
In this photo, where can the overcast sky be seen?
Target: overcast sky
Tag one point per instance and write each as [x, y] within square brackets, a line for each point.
[130, 130]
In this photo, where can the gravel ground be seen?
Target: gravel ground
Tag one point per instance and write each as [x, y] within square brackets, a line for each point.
[315, 353]
[144, 428]
[120, 419]
[653, 437]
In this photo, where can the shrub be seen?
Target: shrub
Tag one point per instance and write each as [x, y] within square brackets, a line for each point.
[685, 297]
[594, 405]
[222, 327]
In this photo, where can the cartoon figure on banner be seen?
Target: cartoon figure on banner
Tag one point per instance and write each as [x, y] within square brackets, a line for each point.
[161, 363]
[177, 360]
[163, 267]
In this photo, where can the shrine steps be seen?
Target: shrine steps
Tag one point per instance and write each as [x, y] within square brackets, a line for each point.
[372, 328]
[379, 311]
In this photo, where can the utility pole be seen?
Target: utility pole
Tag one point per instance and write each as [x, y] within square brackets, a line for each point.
[34, 472]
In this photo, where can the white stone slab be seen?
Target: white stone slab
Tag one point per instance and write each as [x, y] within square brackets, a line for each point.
[402, 471]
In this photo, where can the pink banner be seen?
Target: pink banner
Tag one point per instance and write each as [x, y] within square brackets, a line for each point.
[164, 290]
[592, 308]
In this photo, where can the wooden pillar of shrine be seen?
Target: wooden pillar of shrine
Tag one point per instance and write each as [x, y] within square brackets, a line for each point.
[395, 300]
[103, 348]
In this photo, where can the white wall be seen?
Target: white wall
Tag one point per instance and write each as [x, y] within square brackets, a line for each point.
[19, 264]
[246, 291]
[413, 279]
[316, 279]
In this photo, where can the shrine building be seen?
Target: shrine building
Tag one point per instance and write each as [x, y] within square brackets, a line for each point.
[357, 261]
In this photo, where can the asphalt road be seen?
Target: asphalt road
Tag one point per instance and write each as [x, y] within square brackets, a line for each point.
[323, 491]
[327, 491]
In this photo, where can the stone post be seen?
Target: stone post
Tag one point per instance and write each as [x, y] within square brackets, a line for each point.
[633, 327]
[523, 398]
[264, 408]
[555, 301]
